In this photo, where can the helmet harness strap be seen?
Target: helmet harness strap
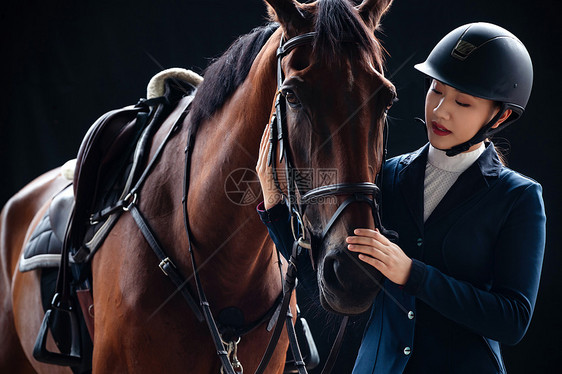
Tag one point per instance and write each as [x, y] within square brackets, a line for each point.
[482, 134]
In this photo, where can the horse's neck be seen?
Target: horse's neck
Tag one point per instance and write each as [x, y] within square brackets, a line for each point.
[226, 149]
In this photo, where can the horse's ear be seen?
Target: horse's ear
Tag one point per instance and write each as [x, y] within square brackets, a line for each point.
[289, 14]
[372, 11]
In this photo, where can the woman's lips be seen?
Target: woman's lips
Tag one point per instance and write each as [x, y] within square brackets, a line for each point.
[439, 130]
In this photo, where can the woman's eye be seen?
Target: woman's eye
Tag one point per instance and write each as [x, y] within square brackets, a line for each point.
[435, 91]
[463, 104]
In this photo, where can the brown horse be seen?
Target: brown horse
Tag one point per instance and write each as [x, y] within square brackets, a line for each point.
[335, 95]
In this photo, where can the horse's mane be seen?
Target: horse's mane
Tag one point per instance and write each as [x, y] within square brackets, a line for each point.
[339, 30]
[226, 73]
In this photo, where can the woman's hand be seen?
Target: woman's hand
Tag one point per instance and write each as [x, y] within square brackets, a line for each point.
[271, 195]
[379, 252]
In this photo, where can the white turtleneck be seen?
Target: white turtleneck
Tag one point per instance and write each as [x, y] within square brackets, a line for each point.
[441, 172]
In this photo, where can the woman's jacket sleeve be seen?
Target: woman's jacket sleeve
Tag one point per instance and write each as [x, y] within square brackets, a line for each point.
[278, 223]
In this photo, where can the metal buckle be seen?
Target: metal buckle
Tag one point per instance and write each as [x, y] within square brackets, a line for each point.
[232, 353]
[129, 200]
[304, 243]
[92, 221]
[164, 262]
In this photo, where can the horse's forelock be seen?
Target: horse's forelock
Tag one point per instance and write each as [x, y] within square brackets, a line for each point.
[339, 28]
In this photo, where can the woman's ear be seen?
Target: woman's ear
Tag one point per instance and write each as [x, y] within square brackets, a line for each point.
[502, 118]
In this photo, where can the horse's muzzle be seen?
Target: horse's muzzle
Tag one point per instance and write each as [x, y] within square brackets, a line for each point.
[347, 286]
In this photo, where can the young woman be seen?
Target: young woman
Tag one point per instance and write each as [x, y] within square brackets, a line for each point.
[463, 276]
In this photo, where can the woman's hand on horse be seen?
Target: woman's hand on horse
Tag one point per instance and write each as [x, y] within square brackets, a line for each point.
[376, 250]
[271, 195]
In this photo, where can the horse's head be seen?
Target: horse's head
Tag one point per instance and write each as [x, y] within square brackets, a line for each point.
[334, 97]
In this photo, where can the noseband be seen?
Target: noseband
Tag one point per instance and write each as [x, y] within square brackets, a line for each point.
[363, 192]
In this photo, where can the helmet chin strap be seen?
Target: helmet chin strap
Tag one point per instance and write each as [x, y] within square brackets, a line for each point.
[485, 132]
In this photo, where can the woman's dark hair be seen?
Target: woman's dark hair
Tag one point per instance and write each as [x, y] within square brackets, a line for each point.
[500, 144]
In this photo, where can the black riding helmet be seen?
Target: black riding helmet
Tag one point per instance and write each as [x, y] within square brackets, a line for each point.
[487, 61]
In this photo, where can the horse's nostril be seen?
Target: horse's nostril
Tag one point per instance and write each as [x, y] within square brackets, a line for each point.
[334, 272]
[345, 286]
[329, 270]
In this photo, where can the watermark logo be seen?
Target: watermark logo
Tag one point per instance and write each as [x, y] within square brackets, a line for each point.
[242, 187]
[307, 179]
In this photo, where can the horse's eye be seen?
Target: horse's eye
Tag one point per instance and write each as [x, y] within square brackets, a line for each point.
[291, 98]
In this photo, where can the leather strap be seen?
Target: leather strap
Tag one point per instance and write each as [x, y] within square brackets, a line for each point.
[355, 198]
[294, 42]
[166, 264]
[288, 287]
[335, 347]
[294, 344]
[126, 200]
[364, 188]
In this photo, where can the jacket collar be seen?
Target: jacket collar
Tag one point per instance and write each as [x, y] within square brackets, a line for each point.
[411, 181]
[489, 162]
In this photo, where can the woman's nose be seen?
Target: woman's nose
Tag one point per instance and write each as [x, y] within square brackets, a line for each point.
[442, 108]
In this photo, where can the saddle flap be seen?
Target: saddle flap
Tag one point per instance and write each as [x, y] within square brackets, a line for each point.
[44, 247]
[105, 139]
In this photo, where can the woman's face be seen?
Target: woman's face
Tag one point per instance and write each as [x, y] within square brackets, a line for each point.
[453, 117]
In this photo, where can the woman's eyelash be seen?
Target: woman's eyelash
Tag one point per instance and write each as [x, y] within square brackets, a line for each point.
[458, 102]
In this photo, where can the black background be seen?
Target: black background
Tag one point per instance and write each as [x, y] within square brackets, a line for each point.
[64, 63]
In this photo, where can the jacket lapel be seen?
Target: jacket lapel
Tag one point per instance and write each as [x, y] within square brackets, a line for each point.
[410, 182]
[477, 177]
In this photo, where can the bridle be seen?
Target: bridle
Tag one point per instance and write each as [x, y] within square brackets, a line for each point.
[362, 192]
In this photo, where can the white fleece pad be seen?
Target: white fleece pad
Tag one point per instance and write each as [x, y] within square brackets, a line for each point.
[67, 170]
[156, 85]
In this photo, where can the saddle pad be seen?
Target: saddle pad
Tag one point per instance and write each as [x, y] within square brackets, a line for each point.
[44, 248]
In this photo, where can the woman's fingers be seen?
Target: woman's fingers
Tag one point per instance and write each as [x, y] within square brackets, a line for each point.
[376, 250]
[367, 237]
[271, 195]
[262, 159]
[367, 250]
[362, 240]
[375, 234]
[374, 262]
